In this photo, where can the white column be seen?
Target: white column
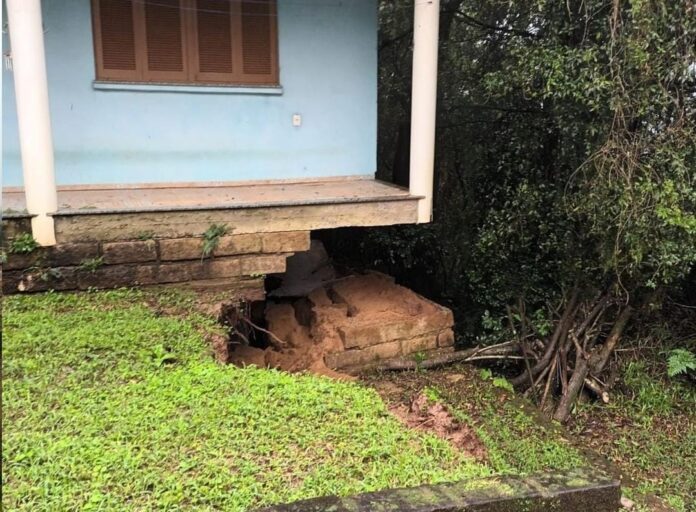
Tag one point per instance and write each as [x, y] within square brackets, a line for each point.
[426, 27]
[31, 94]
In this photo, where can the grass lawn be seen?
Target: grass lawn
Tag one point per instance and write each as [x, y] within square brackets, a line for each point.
[514, 436]
[108, 405]
[649, 431]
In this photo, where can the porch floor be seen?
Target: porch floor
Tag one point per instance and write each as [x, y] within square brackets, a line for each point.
[76, 200]
[112, 213]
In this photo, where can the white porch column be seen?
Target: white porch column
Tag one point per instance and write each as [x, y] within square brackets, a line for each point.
[31, 94]
[426, 27]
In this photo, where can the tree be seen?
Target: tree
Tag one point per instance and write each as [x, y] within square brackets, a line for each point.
[566, 199]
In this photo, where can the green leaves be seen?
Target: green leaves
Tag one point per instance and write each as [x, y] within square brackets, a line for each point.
[23, 243]
[211, 238]
[680, 361]
[91, 265]
[567, 157]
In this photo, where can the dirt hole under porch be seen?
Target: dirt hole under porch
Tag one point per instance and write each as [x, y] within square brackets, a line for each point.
[319, 320]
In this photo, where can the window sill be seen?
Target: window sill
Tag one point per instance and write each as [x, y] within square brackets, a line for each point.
[188, 88]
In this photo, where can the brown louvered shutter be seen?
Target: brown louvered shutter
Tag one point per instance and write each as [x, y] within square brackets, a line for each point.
[186, 41]
[165, 36]
[235, 42]
[212, 45]
[115, 40]
[259, 42]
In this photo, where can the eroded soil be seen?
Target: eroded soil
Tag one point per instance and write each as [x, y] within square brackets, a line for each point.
[488, 423]
[428, 414]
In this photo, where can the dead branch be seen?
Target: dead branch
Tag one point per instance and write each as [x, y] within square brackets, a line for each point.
[595, 313]
[538, 380]
[500, 351]
[520, 344]
[596, 362]
[559, 333]
[548, 382]
[602, 358]
[274, 340]
[597, 388]
[565, 405]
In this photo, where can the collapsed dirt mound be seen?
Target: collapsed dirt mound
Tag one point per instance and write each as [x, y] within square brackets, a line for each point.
[348, 324]
[431, 415]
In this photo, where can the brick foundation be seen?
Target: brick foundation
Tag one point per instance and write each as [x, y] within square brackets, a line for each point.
[237, 262]
[350, 324]
[380, 320]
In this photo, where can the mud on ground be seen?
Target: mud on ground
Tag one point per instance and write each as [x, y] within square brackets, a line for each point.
[488, 423]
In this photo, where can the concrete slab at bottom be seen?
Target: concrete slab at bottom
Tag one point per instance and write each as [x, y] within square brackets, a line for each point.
[578, 490]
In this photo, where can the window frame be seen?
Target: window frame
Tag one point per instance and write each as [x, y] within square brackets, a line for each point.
[190, 76]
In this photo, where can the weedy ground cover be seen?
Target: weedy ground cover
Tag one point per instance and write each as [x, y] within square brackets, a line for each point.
[110, 405]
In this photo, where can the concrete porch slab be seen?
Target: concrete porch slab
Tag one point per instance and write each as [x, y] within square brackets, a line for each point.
[104, 199]
[113, 213]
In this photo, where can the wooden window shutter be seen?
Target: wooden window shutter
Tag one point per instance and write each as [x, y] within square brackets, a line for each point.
[259, 41]
[235, 42]
[213, 45]
[114, 40]
[165, 39]
[186, 41]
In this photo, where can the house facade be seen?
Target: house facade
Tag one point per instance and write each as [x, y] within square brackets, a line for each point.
[178, 111]
[133, 127]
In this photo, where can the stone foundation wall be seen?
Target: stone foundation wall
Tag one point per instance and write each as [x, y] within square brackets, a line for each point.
[237, 262]
[375, 320]
[347, 325]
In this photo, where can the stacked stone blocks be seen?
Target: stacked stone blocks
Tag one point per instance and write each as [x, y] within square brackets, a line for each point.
[239, 259]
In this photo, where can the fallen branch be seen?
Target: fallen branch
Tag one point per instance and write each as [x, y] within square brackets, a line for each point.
[520, 344]
[549, 381]
[592, 364]
[600, 361]
[593, 385]
[507, 350]
[557, 338]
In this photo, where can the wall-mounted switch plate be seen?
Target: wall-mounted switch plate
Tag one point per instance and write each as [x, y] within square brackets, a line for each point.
[297, 119]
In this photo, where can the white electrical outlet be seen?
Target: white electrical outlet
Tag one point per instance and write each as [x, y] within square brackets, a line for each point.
[297, 119]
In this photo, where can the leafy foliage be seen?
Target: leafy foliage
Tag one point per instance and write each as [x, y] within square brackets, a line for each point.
[680, 361]
[91, 265]
[23, 243]
[566, 154]
[211, 238]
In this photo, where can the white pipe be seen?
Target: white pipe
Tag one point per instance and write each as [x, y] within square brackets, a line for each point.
[31, 95]
[426, 25]
[2, 47]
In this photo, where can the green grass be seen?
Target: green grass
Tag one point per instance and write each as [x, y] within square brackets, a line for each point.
[517, 439]
[108, 405]
[649, 431]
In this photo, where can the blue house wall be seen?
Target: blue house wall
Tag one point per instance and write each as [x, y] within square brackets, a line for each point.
[328, 74]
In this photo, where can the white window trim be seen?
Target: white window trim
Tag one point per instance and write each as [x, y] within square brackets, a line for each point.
[101, 85]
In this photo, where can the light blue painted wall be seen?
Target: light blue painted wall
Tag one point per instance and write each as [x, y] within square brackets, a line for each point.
[328, 59]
